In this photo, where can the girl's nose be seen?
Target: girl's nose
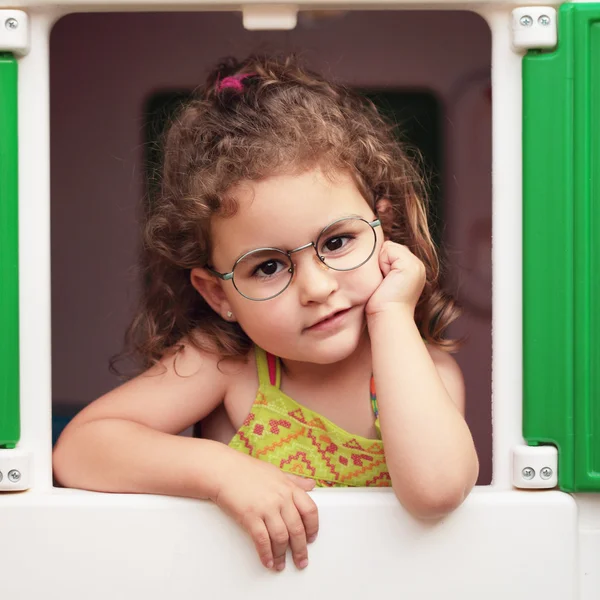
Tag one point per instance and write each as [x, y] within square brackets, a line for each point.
[315, 281]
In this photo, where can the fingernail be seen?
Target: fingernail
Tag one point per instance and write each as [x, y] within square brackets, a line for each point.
[270, 564]
[281, 567]
[303, 563]
[312, 538]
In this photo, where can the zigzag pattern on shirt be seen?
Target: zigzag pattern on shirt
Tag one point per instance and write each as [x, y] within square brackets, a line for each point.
[299, 441]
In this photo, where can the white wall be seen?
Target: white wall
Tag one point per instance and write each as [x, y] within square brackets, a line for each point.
[105, 66]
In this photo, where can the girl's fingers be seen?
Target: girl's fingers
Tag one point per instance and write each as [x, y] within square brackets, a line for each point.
[308, 513]
[295, 527]
[396, 256]
[278, 532]
[303, 482]
[260, 536]
[385, 259]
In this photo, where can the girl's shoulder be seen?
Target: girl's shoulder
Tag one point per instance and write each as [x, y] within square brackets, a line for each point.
[186, 385]
[440, 356]
[196, 354]
[450, 373]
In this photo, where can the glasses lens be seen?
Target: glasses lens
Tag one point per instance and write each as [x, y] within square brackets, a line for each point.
[346, 244]
[262, 274]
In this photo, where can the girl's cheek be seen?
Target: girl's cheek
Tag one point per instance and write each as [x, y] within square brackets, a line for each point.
[373, 278]
[375, 274]
[258, 315]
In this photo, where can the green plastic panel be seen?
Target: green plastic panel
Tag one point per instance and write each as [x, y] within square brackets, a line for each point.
[561, 261]
[9, 258]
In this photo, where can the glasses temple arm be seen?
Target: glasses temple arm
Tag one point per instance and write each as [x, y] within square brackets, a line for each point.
[223, 276]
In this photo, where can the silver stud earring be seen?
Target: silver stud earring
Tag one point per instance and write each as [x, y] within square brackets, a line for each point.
[229, 314]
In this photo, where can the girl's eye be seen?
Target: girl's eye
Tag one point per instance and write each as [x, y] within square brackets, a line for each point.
[335, 244]
[268, 268]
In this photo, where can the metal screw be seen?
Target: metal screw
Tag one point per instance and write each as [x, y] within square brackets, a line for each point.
[0, 475]
[14, 476]
[528, 473]
[544, 20]
[546, 473]
[526, 21]
[11, 24]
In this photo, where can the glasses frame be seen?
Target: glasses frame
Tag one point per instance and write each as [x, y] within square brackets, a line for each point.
[288, 254]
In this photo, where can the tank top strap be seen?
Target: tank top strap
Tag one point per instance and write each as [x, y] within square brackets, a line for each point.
[374, 397]
[269, 368]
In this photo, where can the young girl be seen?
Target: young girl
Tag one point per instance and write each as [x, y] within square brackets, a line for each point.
[291, 289]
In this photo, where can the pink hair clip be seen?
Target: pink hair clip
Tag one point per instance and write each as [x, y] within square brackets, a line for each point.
[233, 82]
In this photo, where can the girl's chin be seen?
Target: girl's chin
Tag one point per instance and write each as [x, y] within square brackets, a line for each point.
[326, 345]
[325, 352]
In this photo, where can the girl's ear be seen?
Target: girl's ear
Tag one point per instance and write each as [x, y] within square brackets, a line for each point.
[385, 212]
[209, 287]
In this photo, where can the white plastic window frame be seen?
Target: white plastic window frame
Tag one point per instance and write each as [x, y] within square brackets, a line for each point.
[34, 224]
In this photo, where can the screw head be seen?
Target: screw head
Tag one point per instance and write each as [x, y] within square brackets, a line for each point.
[526, 21]
[14, 476]
[528, 473]
[546, 473]
[11, 24]
[544, 20]
[0, 475]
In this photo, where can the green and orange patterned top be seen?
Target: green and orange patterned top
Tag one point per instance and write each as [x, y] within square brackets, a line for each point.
[300, 441]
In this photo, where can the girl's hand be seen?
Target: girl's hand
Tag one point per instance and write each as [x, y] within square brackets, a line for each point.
[273, 507]
[403, 279]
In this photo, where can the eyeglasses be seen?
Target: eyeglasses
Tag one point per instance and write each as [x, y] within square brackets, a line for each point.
[264, 273]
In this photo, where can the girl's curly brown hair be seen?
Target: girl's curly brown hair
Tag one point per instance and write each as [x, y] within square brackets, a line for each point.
[281, 118]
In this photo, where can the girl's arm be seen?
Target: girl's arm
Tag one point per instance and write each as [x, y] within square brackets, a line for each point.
[428, 446]
[420, 393]
[126, 442]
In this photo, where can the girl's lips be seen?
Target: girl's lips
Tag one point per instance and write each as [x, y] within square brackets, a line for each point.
[331, 322]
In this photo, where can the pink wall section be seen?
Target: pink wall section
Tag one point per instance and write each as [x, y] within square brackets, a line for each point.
[104, 67]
